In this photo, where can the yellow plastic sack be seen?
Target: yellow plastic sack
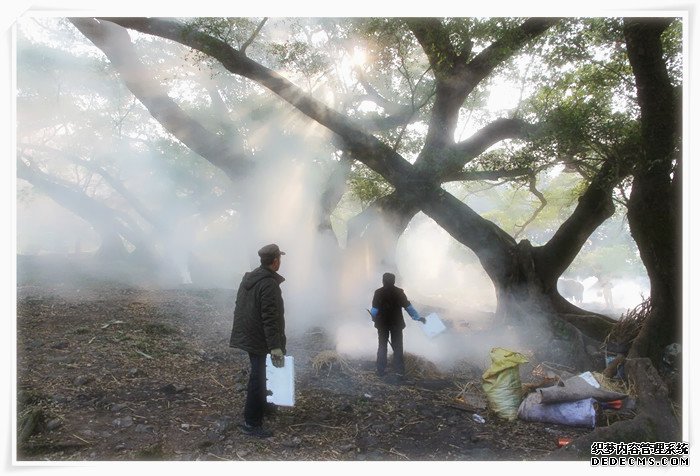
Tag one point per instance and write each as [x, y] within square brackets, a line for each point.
[501, 382]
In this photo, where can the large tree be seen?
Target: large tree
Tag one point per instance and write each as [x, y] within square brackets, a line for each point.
[460, 57]
[654, 216]
[655, 199]
[581, 130]
[524, 275]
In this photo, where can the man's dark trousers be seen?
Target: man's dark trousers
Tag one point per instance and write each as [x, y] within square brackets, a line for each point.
[257, 391]
[396, 344]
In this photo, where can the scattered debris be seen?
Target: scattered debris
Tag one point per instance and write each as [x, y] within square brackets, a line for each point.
[53, 424]
[82, 380]
[144, 354]
[135, 372]
[111, 323]
[627, 327]
[29, 423]
[471, 397]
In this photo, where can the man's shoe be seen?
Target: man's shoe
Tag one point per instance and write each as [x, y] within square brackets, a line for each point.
[256, 431]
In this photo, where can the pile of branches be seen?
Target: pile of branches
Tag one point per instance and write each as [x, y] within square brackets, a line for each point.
[628, 326]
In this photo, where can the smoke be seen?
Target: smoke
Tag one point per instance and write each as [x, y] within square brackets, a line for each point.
[210, 227]
[441, 272]
[45, 227]
[625, 294]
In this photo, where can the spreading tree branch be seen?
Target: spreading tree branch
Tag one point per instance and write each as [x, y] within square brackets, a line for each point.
[532, 186]
[504, 48]
[250, 40]
[116, 44]
[457, 156]
[457, 79]
[482, 236]
[481, 175]
[116, 184]
[593, 208]
[434, 38]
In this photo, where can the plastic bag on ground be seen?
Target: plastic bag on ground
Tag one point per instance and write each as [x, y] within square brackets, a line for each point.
[501, 382]
[576, 413]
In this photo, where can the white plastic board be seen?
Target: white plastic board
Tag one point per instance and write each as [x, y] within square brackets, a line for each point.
[433, 325]
[280, 381]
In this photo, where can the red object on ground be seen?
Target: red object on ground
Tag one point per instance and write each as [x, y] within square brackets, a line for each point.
[563, 441]
[614, 404]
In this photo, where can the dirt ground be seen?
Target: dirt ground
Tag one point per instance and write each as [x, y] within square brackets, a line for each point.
[107, 372]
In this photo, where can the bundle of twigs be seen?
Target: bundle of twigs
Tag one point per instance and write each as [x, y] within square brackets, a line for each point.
[628, 326]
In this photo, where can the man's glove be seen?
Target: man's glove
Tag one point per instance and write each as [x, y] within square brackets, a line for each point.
[373, 313]
[414, 314]
[422, 319]
[277, 357]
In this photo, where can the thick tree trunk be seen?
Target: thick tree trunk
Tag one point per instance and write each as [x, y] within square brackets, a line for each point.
[655, 206]
[335, 187]
[537, 311]
[379, 227]
[111, 247]
[654, 217]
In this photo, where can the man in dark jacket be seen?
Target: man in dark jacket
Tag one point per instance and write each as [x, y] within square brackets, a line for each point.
[386, 314]
[258, 328]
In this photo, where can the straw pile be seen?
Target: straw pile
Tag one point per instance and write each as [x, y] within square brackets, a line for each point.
[327, 359]
[416, 366]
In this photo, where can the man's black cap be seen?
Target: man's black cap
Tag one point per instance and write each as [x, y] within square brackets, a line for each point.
[270, 250]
